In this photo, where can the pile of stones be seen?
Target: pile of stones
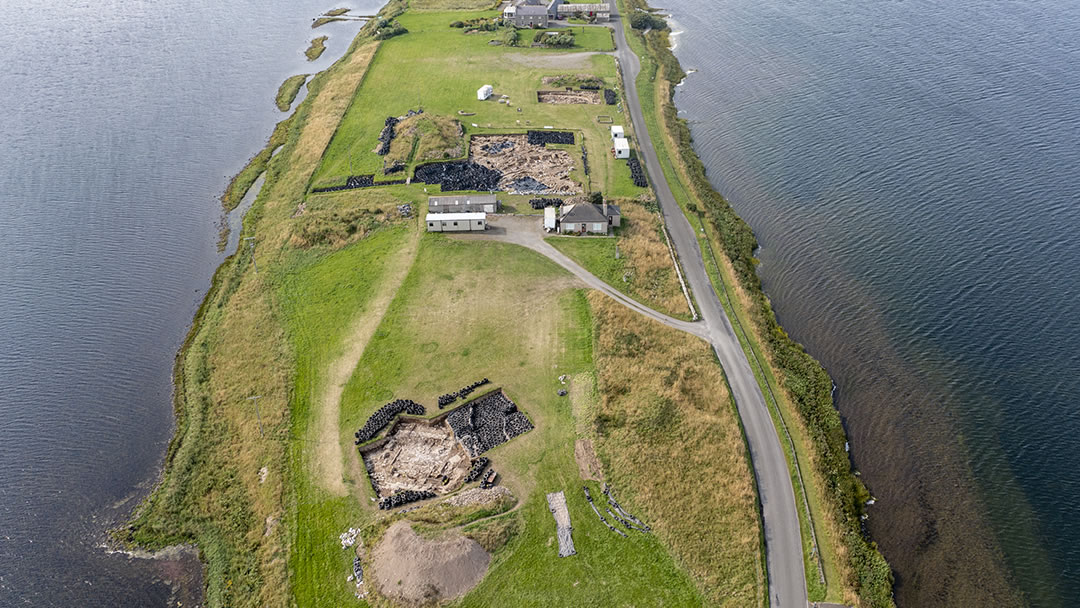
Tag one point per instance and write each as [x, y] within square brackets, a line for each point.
[405, 210]
[404, 497]
[394, 167]
[637, 174]
[384, 415]
[542, 138]
[540, 203]
[477, 469]
[459, 175]
[609, 97]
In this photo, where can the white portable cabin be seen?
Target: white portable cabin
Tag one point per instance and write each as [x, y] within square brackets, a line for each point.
[617, 132]
[456, 222]
[484, 92]
[622, 148]
[550, 213]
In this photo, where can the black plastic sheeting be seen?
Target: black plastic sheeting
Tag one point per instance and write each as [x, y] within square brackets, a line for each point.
[458, 175]
[384, 415]
[542, 138]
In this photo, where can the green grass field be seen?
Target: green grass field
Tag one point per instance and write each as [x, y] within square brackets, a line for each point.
[414, 355]
[405, 75]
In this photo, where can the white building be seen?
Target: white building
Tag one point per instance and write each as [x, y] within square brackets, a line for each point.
[551, 215]
[484, 92]
[456, 222]
[622, 148]
[463, 203]
[617, 132]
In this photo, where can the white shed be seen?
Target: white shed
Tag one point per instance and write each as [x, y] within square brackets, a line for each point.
[550, 213]
[484, 92]
[622, 148]
[617, 132]
[456, 222]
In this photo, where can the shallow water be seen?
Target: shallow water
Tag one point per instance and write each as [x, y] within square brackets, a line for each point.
[911, 171]
[121, 123]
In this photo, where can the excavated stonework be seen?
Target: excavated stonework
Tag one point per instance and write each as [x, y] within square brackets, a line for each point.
[569, 97]
[417, 455]
[525, 168]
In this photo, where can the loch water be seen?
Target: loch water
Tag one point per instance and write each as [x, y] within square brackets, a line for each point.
[121, 122]
[912, 172]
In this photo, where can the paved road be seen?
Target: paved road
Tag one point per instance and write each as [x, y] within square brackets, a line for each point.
[783, 545]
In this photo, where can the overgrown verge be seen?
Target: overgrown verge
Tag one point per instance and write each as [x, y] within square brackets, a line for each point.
[805, 382]
[668, 434]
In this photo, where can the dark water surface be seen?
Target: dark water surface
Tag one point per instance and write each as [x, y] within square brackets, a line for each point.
[120, 121]
[912, 171]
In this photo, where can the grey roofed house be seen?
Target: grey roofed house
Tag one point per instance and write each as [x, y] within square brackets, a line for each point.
[463, 203]
[529, 15]
[587, 217]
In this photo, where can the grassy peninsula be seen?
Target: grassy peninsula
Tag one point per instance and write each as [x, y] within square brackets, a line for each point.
[353, 304]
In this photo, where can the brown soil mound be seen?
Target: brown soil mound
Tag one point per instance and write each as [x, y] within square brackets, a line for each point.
[413, 570]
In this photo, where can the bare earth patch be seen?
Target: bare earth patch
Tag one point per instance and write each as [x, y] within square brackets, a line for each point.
[413, 570]
[569, 61]
[328, 462]
[588, 464]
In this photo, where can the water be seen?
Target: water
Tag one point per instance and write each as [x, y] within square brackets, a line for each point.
[121, 122]
[912, 172]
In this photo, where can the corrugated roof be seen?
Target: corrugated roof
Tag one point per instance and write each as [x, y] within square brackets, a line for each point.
[471, 199]
[443, 217]
[620, 142]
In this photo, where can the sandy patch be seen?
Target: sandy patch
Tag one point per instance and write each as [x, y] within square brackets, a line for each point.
[588, 464]
[413, 570]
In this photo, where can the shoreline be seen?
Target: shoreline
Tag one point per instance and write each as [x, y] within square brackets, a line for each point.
[220, 280]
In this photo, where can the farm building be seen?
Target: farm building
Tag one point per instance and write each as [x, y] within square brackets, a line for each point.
[456, 222]
[531, 15]
[551, 218]
[484, 92]
[600, 12]
[617, 132]
[588, 217]
[622, 147]
[468, 203]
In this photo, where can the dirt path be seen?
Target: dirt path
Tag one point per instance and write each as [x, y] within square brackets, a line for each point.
[329, 467]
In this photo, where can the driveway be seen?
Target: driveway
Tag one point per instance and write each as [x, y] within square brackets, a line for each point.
[527, 231]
